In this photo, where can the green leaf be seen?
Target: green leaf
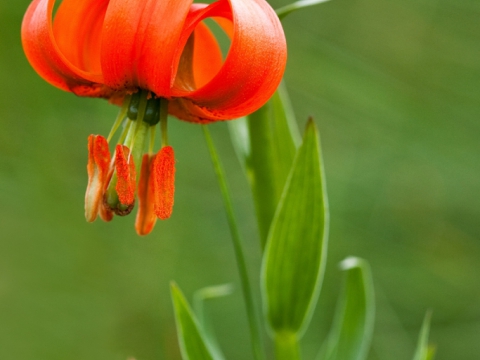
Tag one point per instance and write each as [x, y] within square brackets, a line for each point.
[424, 352]
[287, 9]
[266, 143]
[294, 259]
[352, 329]
[209, 292]
[199, 301]
[193, 344]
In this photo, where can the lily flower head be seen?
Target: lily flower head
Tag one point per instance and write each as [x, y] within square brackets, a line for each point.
[152, 58]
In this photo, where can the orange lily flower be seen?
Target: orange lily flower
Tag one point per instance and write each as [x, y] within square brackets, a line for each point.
[153, 58]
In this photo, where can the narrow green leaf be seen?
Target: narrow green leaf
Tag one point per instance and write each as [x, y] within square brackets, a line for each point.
[352, 329]
[287, 9]
[266, 143]
[424, 352]
[193, 344]
[209, 292]
[199, 304]
[294, 259]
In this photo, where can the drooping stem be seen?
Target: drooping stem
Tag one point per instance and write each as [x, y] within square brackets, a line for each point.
[239, 254]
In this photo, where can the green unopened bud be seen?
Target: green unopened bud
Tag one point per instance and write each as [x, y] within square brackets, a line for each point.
[132, 111]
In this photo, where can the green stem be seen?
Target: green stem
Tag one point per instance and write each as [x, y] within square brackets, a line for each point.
[286, 346]
[237, 244]
[265, 184]
[164, 120]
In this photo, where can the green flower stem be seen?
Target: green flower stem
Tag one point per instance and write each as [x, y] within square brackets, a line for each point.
[286, 346]
[164, 120]
[237, 244]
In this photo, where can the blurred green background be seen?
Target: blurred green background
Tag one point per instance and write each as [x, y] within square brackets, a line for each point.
[395, 89]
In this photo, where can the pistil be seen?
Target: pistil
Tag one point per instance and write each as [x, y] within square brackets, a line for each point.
[142, 113]
[112, 184]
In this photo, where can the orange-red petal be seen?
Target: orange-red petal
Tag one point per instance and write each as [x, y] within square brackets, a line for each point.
[202, 56]
[77, 29]
[98, 169]
[140, 39]
[126, 175]
[163, 173]
[252, 70]
[146, 218]
[47, 57]
[207, 56]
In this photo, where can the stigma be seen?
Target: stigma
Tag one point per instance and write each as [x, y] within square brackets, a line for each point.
[112, 178]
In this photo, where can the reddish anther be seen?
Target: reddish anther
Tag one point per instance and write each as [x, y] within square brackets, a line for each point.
[126, 175]
[146, 217]
[163, 173]
[97, 168]
[105, 213]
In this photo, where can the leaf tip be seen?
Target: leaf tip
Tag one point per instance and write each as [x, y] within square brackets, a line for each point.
[350, 263]
[174, 289]
[311, 124]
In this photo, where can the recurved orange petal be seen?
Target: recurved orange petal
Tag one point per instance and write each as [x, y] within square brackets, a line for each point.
[252, 70]
[200, 60]
[77, 29]
[58, 63]
[207, 56]
[140, 39]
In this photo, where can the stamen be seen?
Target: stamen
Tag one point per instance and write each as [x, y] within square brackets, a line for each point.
[130, 140]
[126, 176]
[164, 182]
[163, 120]
[125, 131]
[120, 117]
[118, 177]
[152, 139]
[97, 168]
[133, 138]
[137, 134]
[146, 218]
[105, 213]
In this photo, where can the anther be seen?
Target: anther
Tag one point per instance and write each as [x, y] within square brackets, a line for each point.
[126, 174]
[164, 182]
[146, 217]
[98, 171]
